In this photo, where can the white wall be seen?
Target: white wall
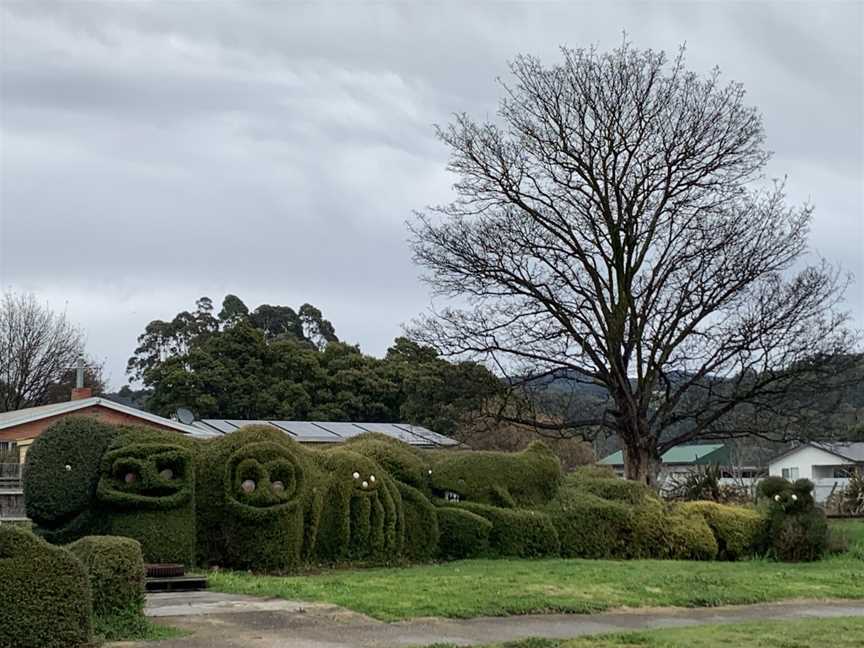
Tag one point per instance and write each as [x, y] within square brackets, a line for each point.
[805, 458]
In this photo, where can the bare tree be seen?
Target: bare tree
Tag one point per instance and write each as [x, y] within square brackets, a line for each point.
[614, 227]
[37, 346]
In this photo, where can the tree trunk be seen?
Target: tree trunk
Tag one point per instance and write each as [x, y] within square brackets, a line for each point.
[642, 462]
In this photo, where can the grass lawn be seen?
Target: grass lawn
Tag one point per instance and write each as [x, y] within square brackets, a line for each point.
[473, 588]
[131, 627]
[811, 633]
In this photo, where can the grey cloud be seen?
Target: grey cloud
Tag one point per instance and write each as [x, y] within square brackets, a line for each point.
[154, 152]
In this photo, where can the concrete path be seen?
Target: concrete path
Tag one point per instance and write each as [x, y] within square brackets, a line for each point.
[231, 621]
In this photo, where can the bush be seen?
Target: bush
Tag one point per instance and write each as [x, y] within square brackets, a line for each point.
[463, 534]
[61, 475]
[251, 498]
[146, 491]
[518, 479]
[363, 517]
[736, 529]
[421, 524]
[688, 537]
[595, 480]
[796, 529]
[589, 526]
[115, 567]
[517, 532]
[45, 599]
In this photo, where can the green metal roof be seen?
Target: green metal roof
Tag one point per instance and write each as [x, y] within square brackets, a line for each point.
[711, 453]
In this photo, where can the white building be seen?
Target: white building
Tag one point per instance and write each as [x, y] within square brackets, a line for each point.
[827, 465]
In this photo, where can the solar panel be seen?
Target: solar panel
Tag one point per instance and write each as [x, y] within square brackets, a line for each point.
[307, 431]
[223, 426]
[393, 431]
[344, 430]
[431, 437]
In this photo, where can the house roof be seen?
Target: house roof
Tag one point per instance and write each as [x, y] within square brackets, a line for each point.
[332, 431]
[29, 414]
[683, 454]
[850, 451]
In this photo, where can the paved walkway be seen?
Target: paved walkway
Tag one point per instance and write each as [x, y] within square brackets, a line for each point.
[231, 621]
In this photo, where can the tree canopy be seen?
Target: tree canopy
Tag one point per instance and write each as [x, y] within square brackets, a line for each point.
[613, 227]
[274, 362]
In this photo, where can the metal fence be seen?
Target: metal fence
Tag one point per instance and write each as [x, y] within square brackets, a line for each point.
[10, 477]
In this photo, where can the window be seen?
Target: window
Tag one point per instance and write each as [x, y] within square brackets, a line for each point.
[842, 472]
[7, 445]
[790, 473]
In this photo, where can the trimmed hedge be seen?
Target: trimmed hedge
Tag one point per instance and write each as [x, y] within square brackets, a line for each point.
[363, 517]
[45, 599]
[251, 495]
[400, 460]
[589, 526]
[797, 529]
[504, 479]
[61, 474]
[736, 529]
[147, 492]
[603, 483]
[115, 567]
[463, 534]
[517, 532]
[422, 533]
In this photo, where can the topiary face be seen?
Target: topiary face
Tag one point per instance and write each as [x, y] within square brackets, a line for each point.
[146, 475]
[263, 477]
[61, 475]
[789, 497]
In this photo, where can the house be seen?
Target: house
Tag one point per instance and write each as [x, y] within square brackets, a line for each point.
[684, 459]
[827, 465]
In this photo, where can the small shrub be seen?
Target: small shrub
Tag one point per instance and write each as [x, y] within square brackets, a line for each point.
[590, 479]
[517, 532]
[589, 526]
[61, 474]
[796, 529]
[463, 534]
[688, 537]
[115, 567]
[45, 599]
[736, 529]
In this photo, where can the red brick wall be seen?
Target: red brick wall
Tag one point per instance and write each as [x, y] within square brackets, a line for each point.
[35, 428]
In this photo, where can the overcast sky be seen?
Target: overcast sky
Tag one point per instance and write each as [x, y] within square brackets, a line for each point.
[154, 152]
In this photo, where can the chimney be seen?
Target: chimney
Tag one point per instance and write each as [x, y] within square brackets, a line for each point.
[81, 392]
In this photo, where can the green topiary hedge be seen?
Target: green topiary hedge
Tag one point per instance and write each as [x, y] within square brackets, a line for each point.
[736, 529]
[400, 460]
[61, 474]
[421, 524]
[603, 483]
[524, 533]
[45, 599]
[463, 534]
[796, 529]
[505, 479]
[147, 492]
[115, 567]
[363, 517]
[589, 526]
[252, 496]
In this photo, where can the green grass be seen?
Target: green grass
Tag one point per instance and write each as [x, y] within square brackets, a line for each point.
[473, 588]
[131, 627]
[810, 633]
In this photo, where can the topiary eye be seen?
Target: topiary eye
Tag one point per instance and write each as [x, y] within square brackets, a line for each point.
[130, 478]
[356, 475]
[278, 487]
[248, 486]
[167, 474]
[365, 484]
[372, 478]
[68, 467]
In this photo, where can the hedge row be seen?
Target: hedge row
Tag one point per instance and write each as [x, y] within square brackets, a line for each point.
[255, 499]
[115, 568]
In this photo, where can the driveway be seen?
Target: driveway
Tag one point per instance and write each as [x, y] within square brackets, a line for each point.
[233, 621]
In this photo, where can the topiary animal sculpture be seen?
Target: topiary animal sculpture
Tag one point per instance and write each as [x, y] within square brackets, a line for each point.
[253, 495]
[520, 479]
[796, 528]
[362, 518]
[411, 472]
[146, 491]
[61, 475]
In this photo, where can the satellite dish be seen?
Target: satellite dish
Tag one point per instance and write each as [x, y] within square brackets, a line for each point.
[185, 416]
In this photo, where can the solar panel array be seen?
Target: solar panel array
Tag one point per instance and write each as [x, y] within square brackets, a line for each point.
[333, 431]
